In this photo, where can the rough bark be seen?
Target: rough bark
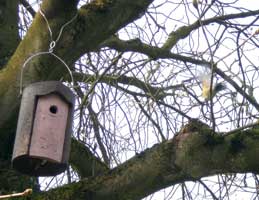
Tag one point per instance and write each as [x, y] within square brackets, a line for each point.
[187, 157]
[86, 165]
[9, 37]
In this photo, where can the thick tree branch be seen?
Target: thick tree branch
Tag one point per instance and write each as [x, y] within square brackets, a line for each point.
[84, 162]
[194, 153]
[8, 30]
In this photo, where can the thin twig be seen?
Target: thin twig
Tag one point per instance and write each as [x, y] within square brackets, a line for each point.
[25, 193]
[241, 128]
[28, 7]
[208, 189]
[150, 118]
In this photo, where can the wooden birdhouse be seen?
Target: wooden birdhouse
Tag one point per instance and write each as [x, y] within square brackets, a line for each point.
[42, 141]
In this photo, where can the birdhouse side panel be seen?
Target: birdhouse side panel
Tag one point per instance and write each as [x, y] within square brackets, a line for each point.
[49, 128]
[24, 127]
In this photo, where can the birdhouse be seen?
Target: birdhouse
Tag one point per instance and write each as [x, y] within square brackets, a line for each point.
[42, 141]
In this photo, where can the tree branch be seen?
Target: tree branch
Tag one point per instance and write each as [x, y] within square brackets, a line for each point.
[84, 162]
[185, 31]
[28, 7]
[95, 121]
[156, 52]
[9, 30]
[194, 153]
[153, 92]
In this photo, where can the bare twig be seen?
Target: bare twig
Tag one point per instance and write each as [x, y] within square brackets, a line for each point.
[25, 193]
[28, 7]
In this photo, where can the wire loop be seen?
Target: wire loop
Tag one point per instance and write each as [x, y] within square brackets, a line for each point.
[51, 49]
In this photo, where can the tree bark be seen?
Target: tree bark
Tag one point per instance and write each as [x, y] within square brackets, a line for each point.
[187, 157]
[9, 37]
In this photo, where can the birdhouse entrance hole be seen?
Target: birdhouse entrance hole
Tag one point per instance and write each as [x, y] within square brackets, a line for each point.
[53, 109]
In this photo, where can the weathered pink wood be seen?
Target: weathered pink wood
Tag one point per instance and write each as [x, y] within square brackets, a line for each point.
[49, 128]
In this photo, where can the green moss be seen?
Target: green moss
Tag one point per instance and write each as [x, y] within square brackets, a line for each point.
[75, 191]
[237, 143]
[213, 140]
[7, 135]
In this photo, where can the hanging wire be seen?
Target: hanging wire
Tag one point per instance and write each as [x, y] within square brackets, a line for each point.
[47, 22]
[43, 53]
[51, 49]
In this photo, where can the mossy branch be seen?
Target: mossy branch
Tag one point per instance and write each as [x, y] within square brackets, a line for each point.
[188, 156]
